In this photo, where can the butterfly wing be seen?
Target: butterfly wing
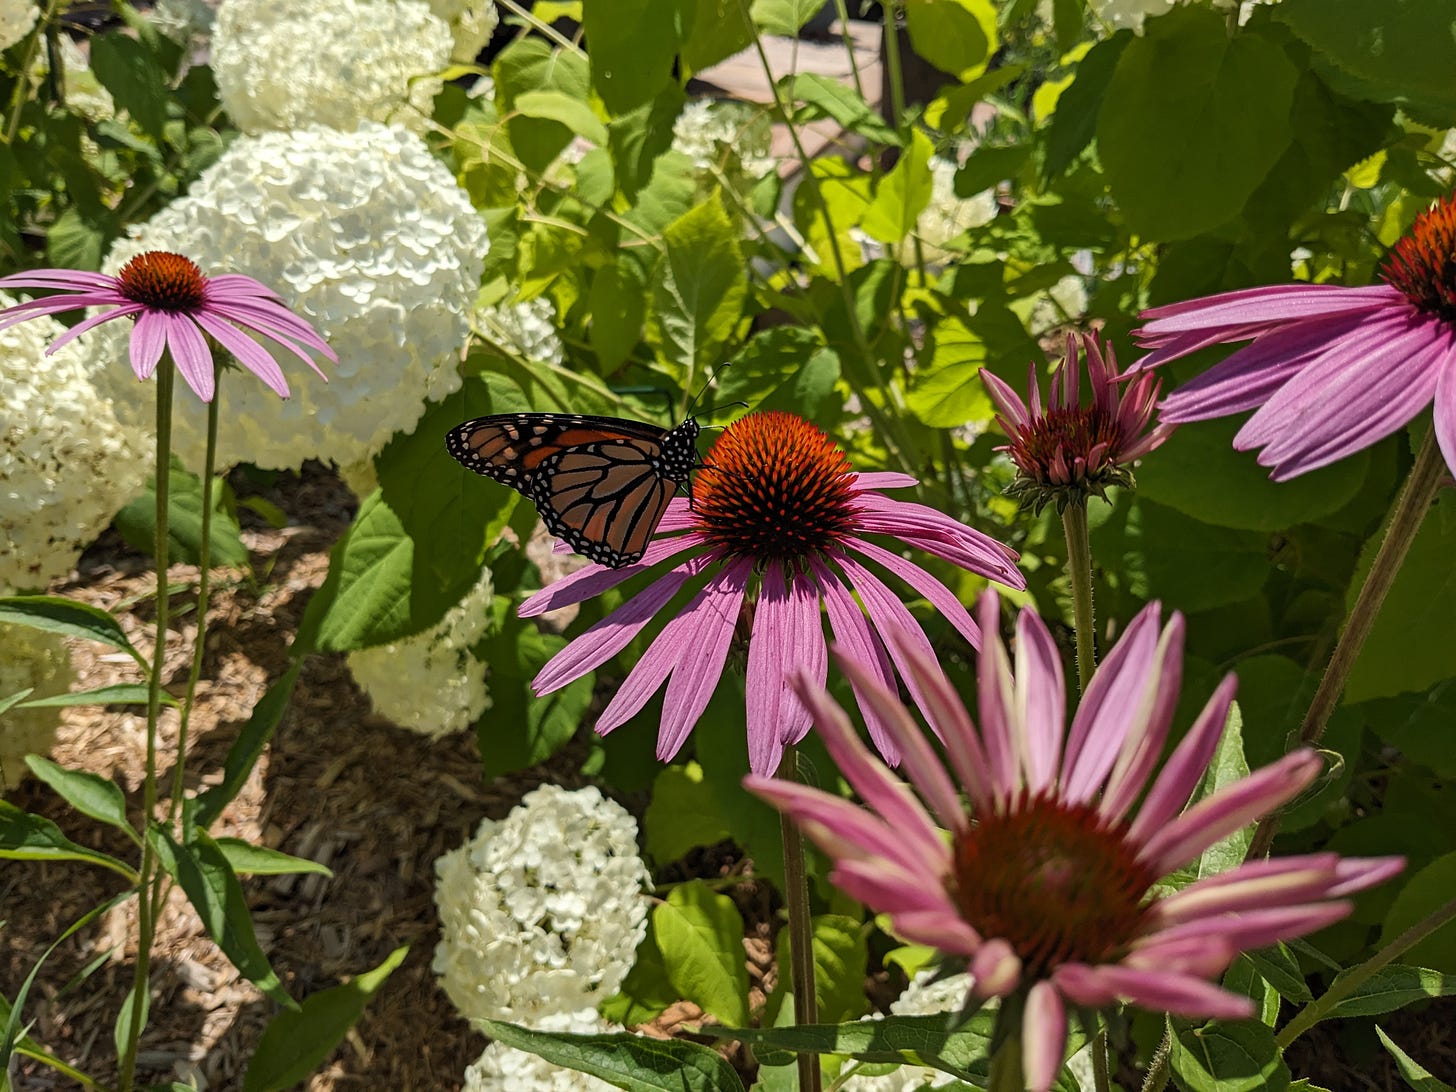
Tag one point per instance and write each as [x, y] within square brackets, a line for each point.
[510, 447]
[604, 499]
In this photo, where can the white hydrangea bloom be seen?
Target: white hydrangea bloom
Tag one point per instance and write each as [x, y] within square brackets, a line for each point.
[284, 64]
[16, 19]
[707, 130]
[30, 659]
[366, 235]
[184, 21]
[471, 22]
[1128, 14]
[431, 683]
[947, 215]
[505, 1069]
[84, 94]
[921, 998]
[66, 463]
[1063, 302]
[542, 912]
[527, 329]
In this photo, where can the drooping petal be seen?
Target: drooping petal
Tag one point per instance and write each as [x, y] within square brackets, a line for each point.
[1186, 766]
[1203, 957]
[995, 969]
[248, 352]
[940, 597]
[190, 353]
[787, 635]
[591, 580]
[867, 480]
[1041, 699]
[1161, 991]
[853, 632]
[996, 702]
[1445, 410]
[148, 341]
[1149, 724]
[86, 325]
[1044, 1037]
[844, 830]
[1253, 929]
[1270, 303]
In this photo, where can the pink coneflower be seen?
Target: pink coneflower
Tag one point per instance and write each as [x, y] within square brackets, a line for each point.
[780, 522]
[1067, 452]
[1331, 370]
[1046, 880]
[174, 305]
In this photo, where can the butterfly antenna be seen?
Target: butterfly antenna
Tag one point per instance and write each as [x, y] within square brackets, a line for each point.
[712, 377]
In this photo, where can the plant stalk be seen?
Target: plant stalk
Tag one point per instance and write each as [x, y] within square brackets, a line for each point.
[1079, 569]
[801, 931]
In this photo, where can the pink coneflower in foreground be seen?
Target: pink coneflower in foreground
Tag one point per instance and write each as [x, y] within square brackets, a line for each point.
[1045, 882]
[1066, 452]
[174, 305]
[1331, 370]
[781, 524]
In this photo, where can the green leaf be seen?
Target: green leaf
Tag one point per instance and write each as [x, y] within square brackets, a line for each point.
[1393, 988]
[700, 287]
[116, 694]
[79, 239]
[632, 47]
[1198, 473]
[243, 755]
[701, 937]
[530, 66]
[572, 112]
[841, 955]
[638, 138]
[902, 194]
[10, 702]
[1192, 121]
[1227, 767]
[296, 1042]
[135, 80]
[1411, 1071]
[1403, 49]
[646, 992]
[618, 305]
[137, 522]
[376, 563]
[1075, 121]
[247, 859]
[1278, 967]
[682, 814]
[626, 1060]
[201, 869]
[1235, 1057]
[785, 368]
[1195, 566]
[783, 17]
[824, 97]
[56, 614]
[522, 729]
[956, 36]
[946, 390]
[89, 793]
[1423, 894]
[1410, 646]
[720, 28]
[27, 837]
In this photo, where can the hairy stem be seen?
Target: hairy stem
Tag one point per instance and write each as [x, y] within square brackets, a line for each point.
[1079, 569]
[801, 932]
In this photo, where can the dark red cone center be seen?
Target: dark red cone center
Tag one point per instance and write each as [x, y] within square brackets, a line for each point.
[162, 281]
[1422, 264]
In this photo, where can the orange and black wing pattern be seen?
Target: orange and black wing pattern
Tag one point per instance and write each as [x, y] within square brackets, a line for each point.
[600, 483]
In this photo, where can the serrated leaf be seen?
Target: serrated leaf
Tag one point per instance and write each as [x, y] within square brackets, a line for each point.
[137, 522]
[1234, 1057]
[1278, 967]
[627, 1061]
[841, 955]
[201, 869]
[698, 289]
[617, 300]
[947, 391]
[902, 194]
[823, 97]
[783, 17]
[297, 1042]
[117, 694]
[1393, 988]
[1181, 164]
[701, 937]
[1411, 1071]
[247, 859]
[1075, 121]
[89, 793]
[56, 614]
[27, 837]
[529, 65]
[1227, 767]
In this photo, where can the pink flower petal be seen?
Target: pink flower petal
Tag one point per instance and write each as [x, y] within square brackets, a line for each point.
[883, 479]
[844, 830]
[940, 597]
[1445, 415]
[1186, 766]
[1270, 303]
[1249, 930]
[1201, 957]
[592, 580]
[995, 969]
[1044, 1037]
[1181, 995]
[191, 354]
[996, 703]
[1148, 724]
[944, 930]
[1041, 699]
[786, 634]
[148, 342]
[852, 631]
[248, 353]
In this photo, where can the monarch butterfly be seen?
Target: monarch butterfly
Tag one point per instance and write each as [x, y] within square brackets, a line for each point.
[600, 483]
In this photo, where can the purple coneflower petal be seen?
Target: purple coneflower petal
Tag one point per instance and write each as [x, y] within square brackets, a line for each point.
[1203, 956]
[592, 580]
[940, 536]
[843, 829]
[1254, 929]
[1044, 1037]
[148, 342]
[1041, 700]
[1250, 886]
[1174, 346]
[86, 325]
[252, 355]
[852, 631]
[1445, 405]
[1186, 766]
[786, 633]
[944, 930]
[995, 969]
[996, 703]
[678, 517]
[1278, 303]
[1182, 995]
[1007, 402]
[887, 889]
[883, 479]
[940, 597]
[73, 279]
[191, 355]
[1148, 724]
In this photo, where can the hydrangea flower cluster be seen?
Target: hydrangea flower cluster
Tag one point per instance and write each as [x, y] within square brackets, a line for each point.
[66, 463]
[526, 328]
[1128, 14]
[948, 214]
[541, 913]
[31, 659]
[925, 996]
[471, 22]
[84, 93]
[505, 1069]
[284, 64]
[431, 683]
[184, 21]
[16, 19]
[364, 234]
[729, 137]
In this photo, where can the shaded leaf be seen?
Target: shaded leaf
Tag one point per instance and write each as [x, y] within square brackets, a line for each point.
[56, 614]
[627, 1061]
[89, 793]
[27, 837]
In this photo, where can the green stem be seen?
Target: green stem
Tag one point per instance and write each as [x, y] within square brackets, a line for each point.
[1079, 569]
[1159, 1069]
[204, 588]
[22, 81]
[1406, 515]
[1005, 1074]
[1101, 1078]
[1351, 980]
[146, 917]
[801, 931]
[892, 63]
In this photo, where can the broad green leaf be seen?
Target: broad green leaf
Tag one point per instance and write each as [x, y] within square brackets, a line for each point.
[1233, 1057]
[824, 97]
[247, 859]
[701, 937]
[531, 66]
[785, 368]
[1404, 50]
[375, 561]
[201, 869]
[827, 206]
[1198, 472]
[902, 194]
[668, 195]
[618, 305]
[1075, 121]
[521, 729]
[720, 28]
[137, 522]
[1278, 967]
[632, 47]
[79, 239]
[1227, 767]
[1421, 895]
[990, 165]
[574, 113]
[682, 814]
[636, 140]
[56, 614]
[841, 954]
[117, 694]
[1195, 566]
[1418, 725]
[89, 793]
[783, 17]
[297, 1041]
[646, 992]
[946, 390]
[27, 837]
[1411, 1071]
[1393, 988]
[957, 36]
[698, 290]
[1413, 642]
[626, 1060]
[248, 747]
[1180, 164]
[135, 79]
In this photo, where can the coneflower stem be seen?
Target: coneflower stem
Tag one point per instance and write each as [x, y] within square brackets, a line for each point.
[146, 918]
[1406, 516]
[1005, 1074]
[1079, 570]
[801, 930]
